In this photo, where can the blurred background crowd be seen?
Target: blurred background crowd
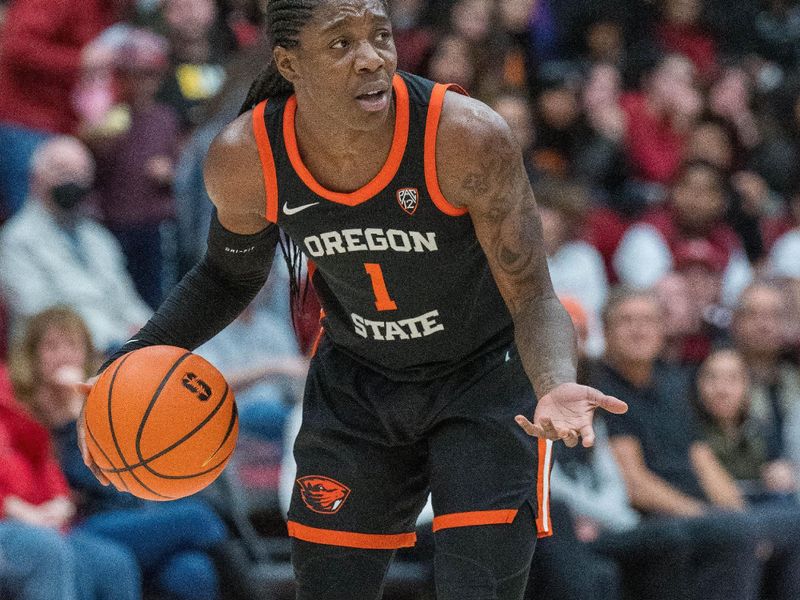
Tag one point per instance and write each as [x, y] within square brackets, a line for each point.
[662, 140]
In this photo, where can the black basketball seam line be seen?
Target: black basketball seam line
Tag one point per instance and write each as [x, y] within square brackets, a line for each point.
[192, 475]
[114, 434]
[149, 409]
[111, 428]
[234, 420]
[209, 470]
[106, 456]
[150, 459]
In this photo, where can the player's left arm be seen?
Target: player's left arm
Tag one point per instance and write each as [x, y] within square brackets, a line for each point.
[480, 167]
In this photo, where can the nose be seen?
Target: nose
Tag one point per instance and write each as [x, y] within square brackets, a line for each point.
[368, 60]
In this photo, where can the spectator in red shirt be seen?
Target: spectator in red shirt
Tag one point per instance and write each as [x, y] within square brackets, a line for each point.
[41, 59]
[696, 211]
[681, 31]
[35, 517]
[659, 118]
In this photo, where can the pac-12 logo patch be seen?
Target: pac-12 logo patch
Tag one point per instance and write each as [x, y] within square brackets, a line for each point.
[322, 494]
[408, 198]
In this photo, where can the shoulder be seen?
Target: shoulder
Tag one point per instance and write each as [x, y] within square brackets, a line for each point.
[476, 151]
[467, 125]
[232, 170]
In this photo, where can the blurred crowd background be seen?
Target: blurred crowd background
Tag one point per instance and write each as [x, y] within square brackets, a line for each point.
[662, 140]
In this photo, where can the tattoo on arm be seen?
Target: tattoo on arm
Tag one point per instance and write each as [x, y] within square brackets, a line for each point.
[508, 226]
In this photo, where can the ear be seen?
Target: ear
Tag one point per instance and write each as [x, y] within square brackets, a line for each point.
[286, 62]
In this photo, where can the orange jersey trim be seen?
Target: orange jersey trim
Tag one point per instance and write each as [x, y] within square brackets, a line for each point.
[478, 517]
[431, 131]
[544, 527]
[317, 340]
[387, 172]
[267, 161]
[349, 539]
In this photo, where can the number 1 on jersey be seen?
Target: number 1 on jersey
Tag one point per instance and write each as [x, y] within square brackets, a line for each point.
[382, 300]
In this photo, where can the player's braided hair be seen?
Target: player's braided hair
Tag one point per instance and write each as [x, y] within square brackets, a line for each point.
[285, 19]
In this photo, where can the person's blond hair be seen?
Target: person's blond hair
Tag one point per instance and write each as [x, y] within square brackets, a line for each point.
[25, 353]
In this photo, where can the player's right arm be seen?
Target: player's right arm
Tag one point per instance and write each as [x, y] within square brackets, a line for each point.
[241, 247]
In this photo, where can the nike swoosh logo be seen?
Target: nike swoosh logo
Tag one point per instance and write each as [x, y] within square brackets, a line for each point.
[293, 211]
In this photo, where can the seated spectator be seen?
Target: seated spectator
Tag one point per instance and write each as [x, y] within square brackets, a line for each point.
[682, 31]
[196, 74]
[576, 268]
[601, 162]
[670, 473]
[621, 555]
[50, 253]
[43, 55]
[135, 163]
[760, 323]
[682, 321]
[695, 211]
[171, 541]
[451, 61]
[659, 119]
[561, 132]
[45, 557]
[745, 446]
[702, 266]
[413, 39]
[516, 110]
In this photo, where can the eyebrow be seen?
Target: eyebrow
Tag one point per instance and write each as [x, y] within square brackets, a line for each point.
[339, 22]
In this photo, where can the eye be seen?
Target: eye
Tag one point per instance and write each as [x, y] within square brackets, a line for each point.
[384, 35]
[340, 44]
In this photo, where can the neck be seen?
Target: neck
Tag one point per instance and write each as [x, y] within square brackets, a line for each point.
[639, 373]
[337, 142]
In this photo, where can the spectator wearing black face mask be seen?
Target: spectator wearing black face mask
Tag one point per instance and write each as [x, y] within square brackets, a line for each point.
[51, 253]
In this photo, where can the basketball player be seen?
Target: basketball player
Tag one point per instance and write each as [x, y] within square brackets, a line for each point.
[440, 321]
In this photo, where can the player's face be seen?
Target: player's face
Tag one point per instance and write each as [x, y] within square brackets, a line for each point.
[345, 62]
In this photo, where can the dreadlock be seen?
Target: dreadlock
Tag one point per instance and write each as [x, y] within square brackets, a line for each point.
[285, 19]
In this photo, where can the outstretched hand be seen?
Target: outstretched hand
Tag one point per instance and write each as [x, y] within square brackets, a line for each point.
[566, 413]
[83, 389]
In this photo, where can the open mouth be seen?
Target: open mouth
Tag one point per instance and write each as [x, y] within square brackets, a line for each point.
[373, 101]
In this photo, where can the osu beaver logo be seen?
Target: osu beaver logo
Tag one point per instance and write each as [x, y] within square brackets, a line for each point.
[322, 494]
[197, 386]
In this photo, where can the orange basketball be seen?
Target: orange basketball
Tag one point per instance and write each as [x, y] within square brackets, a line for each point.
[161, 423]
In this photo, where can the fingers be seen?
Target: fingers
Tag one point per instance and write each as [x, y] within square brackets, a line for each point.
[587, 434]
[572, 439]
[609, 403]
[86, 455]
[547, 430]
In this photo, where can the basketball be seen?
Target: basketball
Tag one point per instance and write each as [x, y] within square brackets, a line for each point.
[161, 423]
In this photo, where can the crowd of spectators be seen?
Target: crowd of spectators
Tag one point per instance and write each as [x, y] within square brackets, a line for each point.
[662, 140]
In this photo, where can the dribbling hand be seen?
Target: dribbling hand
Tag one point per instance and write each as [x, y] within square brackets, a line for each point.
[83, 389]
[566, 413]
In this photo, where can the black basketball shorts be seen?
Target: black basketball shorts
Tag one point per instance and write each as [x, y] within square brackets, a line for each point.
[370, 448]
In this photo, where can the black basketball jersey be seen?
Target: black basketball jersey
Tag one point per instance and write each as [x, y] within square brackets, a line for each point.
[403, 282]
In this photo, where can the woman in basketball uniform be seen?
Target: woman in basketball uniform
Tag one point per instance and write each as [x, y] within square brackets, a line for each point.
[440, 326]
